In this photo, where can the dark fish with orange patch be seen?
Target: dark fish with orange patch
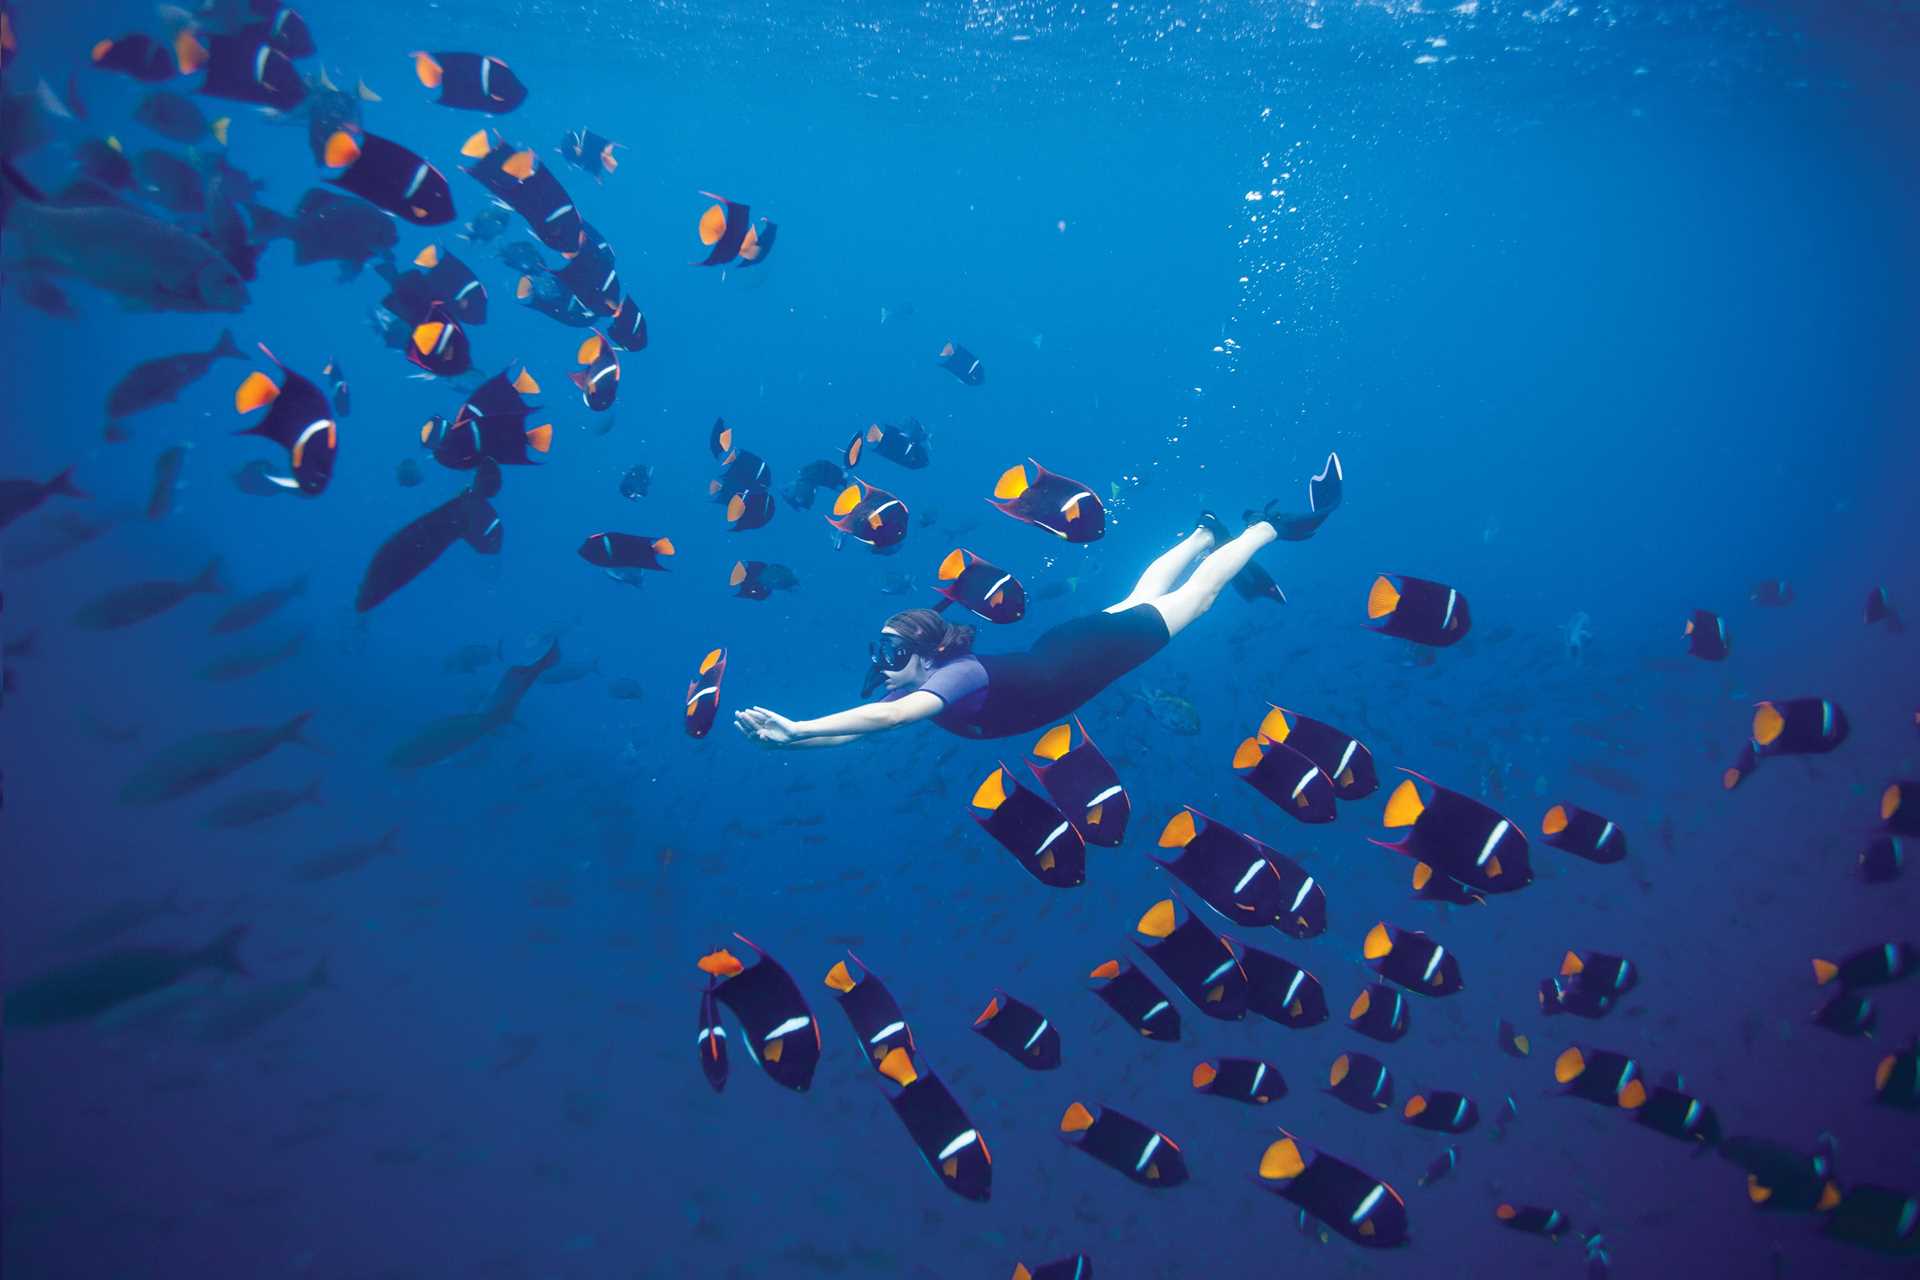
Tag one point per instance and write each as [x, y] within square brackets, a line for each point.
[590, 275]
[1127, 991]
[137, 55]
[1797, 726]
[1198, 961]
[628, 330]
[623, 551]
[1065, 508]
[470, 81]
[439, 277]
[1707, 636]
[491, 424]
[1039, 837]
[723, 229]
[1574, 830]
[962, 364]
[1247, 882]
[908, 445]
[299, 419]
[587, 150]
[1082, 782]
[243, 67]
[1359, 1206]
[712, 1040]
[1141, 1153]
[1456, 835]
[1868, 967]
[870, 515]
[439, 345]
[749, 509]
[1020, 1031]
[981, 587]
[600, 381]
[389, 176]
[1411, 959]
[1416, 609]
[703, 700]
[1248, 1080]
[516, 177]
[778, 1029]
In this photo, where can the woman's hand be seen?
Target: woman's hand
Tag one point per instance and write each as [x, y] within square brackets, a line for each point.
[766, 727]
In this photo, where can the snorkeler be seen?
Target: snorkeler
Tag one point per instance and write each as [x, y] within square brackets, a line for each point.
[932, 673]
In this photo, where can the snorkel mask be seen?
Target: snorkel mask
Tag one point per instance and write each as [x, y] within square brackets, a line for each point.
[889, 653]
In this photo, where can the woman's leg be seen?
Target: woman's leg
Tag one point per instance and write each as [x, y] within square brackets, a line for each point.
[1179, 607]
[1164, 572]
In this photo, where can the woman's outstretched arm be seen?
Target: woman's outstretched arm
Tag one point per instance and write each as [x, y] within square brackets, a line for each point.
[771, 729]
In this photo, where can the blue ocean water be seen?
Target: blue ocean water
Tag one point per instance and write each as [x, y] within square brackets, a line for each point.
[1608, 309]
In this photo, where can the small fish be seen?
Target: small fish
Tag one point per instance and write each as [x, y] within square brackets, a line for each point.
[91, 987]
[345, 859]
[115, 922]
[1170, 711]
[104, 162]
[635, 483]
[569, 672]
[487, 224]
[54, 536]
[205, 758]
[250, 807]
[233, 1017]
[337, 383]
[175, 117]
[626, 689]
[330, 227]
[46, 297]
[450, 735]
[408, 473]
[256, 609]
[161, 380]
[125, 606]
[18, 497]
[166, 481]
[241, 665]
[469, 658]
[170, 182]
[515, 1048]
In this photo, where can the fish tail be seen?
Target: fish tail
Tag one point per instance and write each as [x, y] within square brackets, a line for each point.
[224, 951]
[63, 484]
[226, 348]
[291, 731]
[268, 224]
[15, 184]
[209, 579]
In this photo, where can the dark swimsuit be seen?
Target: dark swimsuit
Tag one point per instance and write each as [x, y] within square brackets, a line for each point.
[1000, 694]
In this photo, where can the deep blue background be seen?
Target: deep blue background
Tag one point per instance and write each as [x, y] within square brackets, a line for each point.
[1609, 309]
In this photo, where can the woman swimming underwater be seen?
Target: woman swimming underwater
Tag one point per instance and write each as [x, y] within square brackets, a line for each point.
[932, 673]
